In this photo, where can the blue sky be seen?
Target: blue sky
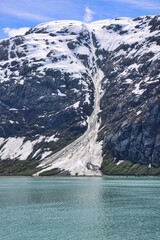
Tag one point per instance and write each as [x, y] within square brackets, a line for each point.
[17, 14]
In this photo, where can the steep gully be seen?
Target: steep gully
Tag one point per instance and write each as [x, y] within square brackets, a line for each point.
[84, 155]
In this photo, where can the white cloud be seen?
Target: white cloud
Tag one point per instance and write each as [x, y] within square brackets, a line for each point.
[88, 16]
[12, 32]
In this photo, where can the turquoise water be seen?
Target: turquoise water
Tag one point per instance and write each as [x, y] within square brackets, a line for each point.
[79, 208]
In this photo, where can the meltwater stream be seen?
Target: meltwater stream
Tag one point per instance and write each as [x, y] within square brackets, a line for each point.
[79, 208]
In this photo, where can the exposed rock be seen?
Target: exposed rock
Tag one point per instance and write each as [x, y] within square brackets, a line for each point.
[47, 89]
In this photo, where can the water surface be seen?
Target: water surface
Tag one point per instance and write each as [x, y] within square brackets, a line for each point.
[79, 208]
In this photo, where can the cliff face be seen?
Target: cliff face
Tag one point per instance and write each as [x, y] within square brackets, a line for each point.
[64, 84]
[131, 101]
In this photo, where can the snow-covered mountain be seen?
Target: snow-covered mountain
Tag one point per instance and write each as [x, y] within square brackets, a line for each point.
[71, 92]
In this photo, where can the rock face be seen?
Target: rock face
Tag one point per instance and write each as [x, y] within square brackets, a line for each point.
[131, 104]
[48, 80]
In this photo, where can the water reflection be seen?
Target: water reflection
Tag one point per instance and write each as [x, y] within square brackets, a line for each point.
[79, 208]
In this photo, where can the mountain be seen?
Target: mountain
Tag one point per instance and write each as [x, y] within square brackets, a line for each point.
[78, 98]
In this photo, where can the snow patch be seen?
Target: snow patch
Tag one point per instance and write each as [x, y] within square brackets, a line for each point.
[46, 154]
[119, 162]
[11, 121]
[76, 105]
[87, 98]
[1, 141]
[61, 94]
[51, 139]
[17, 147]
[129, 81]
[139, 112]
[137, 89]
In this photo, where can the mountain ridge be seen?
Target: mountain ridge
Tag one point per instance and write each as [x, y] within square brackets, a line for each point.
[48, 93]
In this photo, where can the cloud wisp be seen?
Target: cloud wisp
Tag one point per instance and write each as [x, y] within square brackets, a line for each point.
[26, 15]
[143, 4]
[12, 32]
[39, 10]
[88, 16]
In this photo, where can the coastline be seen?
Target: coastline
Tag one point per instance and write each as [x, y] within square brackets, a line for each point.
[57, 176]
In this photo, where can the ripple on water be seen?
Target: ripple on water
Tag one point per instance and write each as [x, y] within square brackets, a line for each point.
[79, 208]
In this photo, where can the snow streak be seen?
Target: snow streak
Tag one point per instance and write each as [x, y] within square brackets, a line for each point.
[84, 155]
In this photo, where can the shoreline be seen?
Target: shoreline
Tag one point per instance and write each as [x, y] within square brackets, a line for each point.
[56, 176]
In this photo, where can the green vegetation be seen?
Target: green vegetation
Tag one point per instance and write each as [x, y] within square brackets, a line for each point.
[51, 172]
[127, 168]
[18, 168]
[55, 171]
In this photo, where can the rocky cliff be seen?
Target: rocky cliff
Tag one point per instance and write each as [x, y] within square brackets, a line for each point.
[71, 93]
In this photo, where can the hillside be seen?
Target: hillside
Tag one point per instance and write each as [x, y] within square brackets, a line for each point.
[76, 98]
